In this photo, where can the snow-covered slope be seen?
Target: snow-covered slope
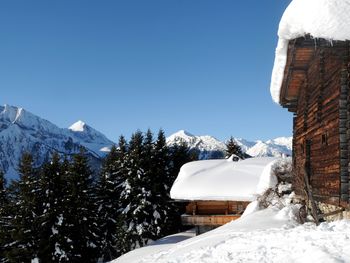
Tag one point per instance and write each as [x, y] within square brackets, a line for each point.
[211, 148]
[269, 235]
[276, 147]
[208, 146]
[90, 138]
[22, 131]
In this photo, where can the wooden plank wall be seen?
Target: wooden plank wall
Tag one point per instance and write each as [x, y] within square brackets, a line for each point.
[216, 207]
[317, 123]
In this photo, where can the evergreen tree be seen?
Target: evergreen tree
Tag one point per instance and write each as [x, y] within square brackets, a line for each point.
[27, 206]
[78, 226]
[154, 167]
[179, 155]
[52, 194]
[136, 194]
[233, 148]
[3, 192]
[163, 208]
[5, 219]
[110, 205]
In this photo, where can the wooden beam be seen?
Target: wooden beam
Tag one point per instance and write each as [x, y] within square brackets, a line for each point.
[207, 220]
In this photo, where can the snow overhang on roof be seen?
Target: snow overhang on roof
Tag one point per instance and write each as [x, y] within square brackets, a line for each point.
[326, 19]
[224, 180]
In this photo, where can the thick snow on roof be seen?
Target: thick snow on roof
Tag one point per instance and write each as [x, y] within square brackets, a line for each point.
[223, 179]
[328, 19]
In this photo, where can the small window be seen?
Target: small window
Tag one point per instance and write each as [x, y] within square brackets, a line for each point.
[325, 139]
[302, 148]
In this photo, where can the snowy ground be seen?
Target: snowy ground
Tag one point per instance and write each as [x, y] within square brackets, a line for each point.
[269, 235]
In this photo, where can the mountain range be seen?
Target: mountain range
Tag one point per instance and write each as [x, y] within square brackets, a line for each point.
[22, 131]
[209, 147]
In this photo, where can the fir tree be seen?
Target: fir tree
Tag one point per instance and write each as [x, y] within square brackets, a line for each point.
[79, 218]
[179, 155]
[154, 167]
[233, 148]
[5, 219]
[161, 187]
[52, 194]
[136, 194]
[110, 205]
[3, 192]
[27, 205]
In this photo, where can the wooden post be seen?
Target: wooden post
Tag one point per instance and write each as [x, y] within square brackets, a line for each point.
[194, 208]
[310, 197]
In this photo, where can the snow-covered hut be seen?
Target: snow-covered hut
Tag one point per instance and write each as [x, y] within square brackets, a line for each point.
[218, 191]
[311, 79]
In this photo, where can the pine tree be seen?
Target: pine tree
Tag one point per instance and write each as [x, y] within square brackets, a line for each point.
[179, 155]
[163, 208]
[52, 194]
[78, 228]
[233, 148]
[154, 178]
[5, 219]
[27, 205]
[136, 194]
[109, 203]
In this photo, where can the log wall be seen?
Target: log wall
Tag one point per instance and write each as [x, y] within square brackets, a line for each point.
[321, 126]
[216, 207]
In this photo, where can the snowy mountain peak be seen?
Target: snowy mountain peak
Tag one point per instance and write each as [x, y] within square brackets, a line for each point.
[209, 147]
[10, 113]
[79, 126]
[183, 133]
[22, 131]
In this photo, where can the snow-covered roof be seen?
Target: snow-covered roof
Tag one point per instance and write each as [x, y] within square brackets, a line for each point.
[328, 19]
[223, 179]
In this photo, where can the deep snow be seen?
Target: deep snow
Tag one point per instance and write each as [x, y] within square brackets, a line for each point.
[223, 179]
[266, 235]
[269, 235]
[328, 19]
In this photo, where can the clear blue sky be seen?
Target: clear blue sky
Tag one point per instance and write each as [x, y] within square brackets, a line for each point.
[199, 65]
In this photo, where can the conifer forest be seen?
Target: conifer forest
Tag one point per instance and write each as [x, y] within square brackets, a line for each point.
[63, 211]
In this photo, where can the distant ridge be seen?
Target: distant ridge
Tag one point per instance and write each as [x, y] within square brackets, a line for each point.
[22, 131]
[209, 147]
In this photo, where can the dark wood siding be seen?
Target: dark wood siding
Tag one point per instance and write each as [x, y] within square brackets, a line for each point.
[318, 124]
[216, 207]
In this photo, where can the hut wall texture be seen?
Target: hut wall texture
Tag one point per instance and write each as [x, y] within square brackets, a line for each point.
[319, 122]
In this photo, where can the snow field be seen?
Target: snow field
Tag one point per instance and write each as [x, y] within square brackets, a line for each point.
[272, 235]
[268, 235]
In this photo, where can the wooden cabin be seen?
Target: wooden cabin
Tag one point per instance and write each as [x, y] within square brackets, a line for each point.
[217, 191]
[206, 215]
[315, 88]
